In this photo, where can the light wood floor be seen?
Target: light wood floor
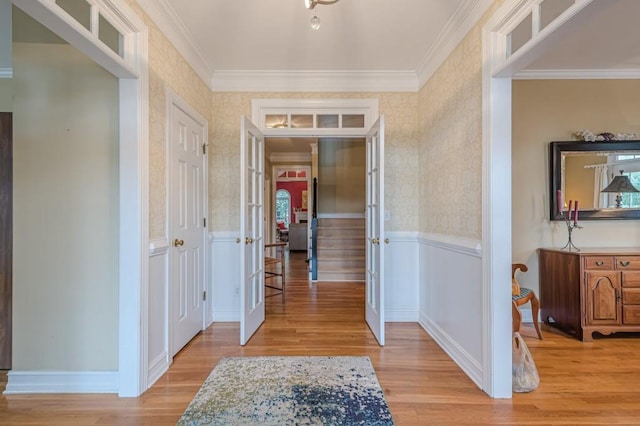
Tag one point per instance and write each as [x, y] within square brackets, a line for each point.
[581, 383]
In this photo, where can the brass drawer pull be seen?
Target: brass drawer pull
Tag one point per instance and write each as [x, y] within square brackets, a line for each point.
[624, 262]
[599, 263]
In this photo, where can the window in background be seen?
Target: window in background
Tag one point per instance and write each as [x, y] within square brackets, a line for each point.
[283, 207]
[632, 199]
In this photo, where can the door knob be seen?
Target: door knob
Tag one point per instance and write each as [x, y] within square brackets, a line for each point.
[178, 242]
[386, 241]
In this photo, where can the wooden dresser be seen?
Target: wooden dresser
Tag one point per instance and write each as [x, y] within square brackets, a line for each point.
[590, 290]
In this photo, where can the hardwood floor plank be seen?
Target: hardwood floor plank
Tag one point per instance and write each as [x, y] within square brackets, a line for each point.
[581, 382]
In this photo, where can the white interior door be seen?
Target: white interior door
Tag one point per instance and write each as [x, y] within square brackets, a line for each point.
[186, 139]
[251, 229]
[375, 230]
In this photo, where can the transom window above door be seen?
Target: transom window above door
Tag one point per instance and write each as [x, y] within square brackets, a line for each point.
[314, 121]
[314, 117]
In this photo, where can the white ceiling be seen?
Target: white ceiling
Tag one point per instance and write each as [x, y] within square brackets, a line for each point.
[355, 35]
[362, 45]
[268, 45]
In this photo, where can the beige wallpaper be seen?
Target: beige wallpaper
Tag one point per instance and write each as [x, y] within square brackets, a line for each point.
[167, 68]
[401, 159]
[552, 110]
[450, 141]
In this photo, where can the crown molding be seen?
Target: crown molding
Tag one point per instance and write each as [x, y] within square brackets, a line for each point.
[290, 157]
[314, 81]
[164, 16]
[594, 74]
[6, 72]
[464, 19]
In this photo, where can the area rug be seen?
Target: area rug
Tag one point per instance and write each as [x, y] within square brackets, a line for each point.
[290, 390]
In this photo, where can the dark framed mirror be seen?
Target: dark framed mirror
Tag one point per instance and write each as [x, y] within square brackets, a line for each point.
[578, 169]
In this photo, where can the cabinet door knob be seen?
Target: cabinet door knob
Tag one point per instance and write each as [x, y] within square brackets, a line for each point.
[599, 263]
[624, 262]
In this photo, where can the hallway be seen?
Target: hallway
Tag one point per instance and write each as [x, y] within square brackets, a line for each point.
[593, 383]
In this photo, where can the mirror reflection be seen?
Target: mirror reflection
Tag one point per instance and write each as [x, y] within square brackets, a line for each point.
[603, 176]
[587, 175]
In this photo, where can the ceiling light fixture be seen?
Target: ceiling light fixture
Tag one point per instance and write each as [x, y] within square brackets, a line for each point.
[310, 4]
[315, 22]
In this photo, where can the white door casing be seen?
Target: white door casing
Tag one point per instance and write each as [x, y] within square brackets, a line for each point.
[133, 73]
[251, 229]
[374, 304]
[187, 210]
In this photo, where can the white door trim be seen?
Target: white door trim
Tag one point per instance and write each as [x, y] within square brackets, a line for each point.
[132, 70]
[252, 297]
[262, 107]
[375, 234]
[173, 100]
[497, 72]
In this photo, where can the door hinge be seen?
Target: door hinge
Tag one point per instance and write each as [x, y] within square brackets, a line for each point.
[204, 295]
[204, 222]
[204, 148]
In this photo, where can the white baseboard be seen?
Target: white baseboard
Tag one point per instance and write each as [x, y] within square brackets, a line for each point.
[226, 316]
[20, 382]
[158, 367]
[401, 315]
[470, 366]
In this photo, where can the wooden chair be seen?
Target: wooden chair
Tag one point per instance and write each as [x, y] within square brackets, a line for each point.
[520, 296]
[274, 267]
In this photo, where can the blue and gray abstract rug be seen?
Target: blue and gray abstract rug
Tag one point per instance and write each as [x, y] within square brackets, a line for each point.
[290, 390]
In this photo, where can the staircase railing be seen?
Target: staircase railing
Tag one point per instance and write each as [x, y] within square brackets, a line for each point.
[314, 232]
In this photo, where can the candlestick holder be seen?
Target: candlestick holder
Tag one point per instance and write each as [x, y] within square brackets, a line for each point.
[570, 227]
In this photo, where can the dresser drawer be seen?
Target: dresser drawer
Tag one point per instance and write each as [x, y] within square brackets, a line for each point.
[631, 314]
[631, 296]
[599, 262]
[631, 279]
[625, 263]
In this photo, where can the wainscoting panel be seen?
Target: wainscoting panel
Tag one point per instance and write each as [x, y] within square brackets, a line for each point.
[451, 298]
[158, 358]
[401, 277]
[225, 276]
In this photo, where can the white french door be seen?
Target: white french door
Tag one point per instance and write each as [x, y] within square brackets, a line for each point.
[251, 229]
[187, 203]
[375, 230]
